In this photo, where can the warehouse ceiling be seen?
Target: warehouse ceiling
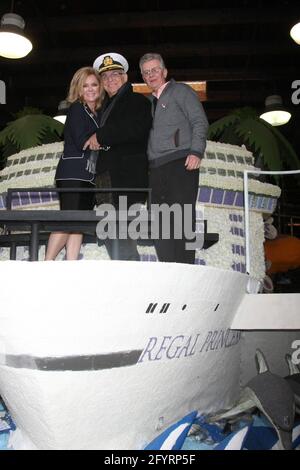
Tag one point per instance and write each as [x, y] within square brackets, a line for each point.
[242, 49]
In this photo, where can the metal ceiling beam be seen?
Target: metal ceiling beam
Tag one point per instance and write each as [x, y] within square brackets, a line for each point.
[214, 97]
[194, 50]
[25, 79]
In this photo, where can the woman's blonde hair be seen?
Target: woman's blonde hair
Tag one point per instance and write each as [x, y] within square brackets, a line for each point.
[77, 82]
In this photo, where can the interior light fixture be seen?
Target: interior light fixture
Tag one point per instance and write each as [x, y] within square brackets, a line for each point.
[275, 113]
[13, 43]
[295, 33]
[62, 111]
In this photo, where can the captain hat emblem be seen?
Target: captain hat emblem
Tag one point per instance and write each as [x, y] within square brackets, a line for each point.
[107, 61]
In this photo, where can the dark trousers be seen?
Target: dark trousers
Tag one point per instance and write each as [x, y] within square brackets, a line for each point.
[171, 183]
[125, 250]
[76, 201]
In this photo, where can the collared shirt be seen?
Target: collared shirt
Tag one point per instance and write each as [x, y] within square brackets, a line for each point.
[160, 90]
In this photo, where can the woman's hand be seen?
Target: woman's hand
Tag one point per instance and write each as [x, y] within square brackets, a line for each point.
[92, 143]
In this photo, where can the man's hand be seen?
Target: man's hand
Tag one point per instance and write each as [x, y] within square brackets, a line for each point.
[92, 143]
[192, 162]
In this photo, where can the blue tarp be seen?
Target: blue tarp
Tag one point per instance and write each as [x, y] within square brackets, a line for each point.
[249, 433]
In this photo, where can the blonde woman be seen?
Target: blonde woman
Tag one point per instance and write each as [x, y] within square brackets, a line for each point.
[77, 167]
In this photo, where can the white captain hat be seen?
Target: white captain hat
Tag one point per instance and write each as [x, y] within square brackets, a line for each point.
[110, 61]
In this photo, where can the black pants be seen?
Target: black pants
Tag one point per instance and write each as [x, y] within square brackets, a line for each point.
[125, 250]
[171, 183]
[76, 201]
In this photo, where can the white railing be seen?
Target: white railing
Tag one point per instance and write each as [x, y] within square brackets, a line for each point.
[246, 206]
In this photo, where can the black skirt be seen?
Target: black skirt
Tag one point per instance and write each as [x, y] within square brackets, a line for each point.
[76, 201]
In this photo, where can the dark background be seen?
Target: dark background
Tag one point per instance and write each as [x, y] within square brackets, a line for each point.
[241, 48]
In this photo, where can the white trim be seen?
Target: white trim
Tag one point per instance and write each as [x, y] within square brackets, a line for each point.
[75, 179]
[85, 107]
[73, 158]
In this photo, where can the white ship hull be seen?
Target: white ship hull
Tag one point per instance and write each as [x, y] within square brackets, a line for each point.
[106, 355]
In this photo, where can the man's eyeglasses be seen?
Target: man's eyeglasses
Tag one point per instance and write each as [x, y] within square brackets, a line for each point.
[155, 70]
[113, 75]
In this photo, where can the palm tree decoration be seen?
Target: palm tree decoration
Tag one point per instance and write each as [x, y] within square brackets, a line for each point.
[270, 148]
[31, 128]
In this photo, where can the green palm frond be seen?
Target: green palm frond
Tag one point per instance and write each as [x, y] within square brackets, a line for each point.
[6, 151]
[243, 126]
[27, 110]
[218, 127]
[30, 131]
[245, 113]
[260, 138]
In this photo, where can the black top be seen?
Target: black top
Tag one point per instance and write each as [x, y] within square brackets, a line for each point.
[76, 164]
[125, 123]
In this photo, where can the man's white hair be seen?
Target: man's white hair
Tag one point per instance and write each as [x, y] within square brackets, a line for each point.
[151, 56]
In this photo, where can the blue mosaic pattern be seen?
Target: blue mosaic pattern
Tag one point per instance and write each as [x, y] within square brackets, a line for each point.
[26, 198]
[236, 218]
[153, 258]
[33, 158]
[204, 194]
[240, 267]
[239, 199]
[239, 232]
[226, 197]
[148, 257]
[238, 250]
[218, 197]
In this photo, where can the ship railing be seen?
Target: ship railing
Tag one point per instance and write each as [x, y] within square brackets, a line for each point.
[35, 225]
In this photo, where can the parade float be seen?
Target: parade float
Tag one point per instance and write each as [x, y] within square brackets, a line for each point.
[100, 354]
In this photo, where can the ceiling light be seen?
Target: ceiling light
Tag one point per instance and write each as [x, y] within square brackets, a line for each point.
[13, 43]
[275, 113]
[295, 33]
[62, 111]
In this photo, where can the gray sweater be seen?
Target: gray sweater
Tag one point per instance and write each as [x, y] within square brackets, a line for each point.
[179, 125]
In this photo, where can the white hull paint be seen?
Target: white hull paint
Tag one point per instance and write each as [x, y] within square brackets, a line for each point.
[107, 354]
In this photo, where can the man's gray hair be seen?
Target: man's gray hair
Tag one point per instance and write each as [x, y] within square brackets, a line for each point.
[151, 56]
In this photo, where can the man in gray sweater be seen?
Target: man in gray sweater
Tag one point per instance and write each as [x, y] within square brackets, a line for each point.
[176, 146]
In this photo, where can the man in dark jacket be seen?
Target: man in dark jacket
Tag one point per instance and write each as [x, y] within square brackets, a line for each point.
[125, 123]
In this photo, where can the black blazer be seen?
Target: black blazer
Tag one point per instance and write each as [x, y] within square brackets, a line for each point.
[125, 123]
[76, 164]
